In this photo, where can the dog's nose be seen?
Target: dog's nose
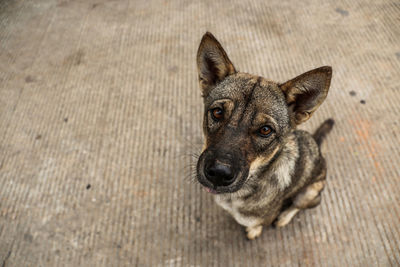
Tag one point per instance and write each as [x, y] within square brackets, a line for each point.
[220, 174]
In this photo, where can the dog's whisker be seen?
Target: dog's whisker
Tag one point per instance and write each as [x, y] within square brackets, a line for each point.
[187, 155]
[191, 178]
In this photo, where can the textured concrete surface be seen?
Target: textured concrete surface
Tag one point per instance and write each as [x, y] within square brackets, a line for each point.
[100, 122]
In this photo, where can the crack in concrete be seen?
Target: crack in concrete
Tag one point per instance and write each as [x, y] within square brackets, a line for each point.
[6, 258]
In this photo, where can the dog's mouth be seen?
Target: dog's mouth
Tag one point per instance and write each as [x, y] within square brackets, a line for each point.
[209, 190]
[220, 175]
[212, 189]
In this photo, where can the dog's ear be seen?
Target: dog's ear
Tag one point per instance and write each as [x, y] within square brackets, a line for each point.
[213, 63]
[306, 92]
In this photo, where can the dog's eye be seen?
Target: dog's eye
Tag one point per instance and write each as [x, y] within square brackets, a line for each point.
[217, 113]
[265, 131]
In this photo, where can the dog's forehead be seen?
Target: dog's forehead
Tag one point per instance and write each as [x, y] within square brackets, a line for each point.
[235, 87]
[268, 98]
[241, 86]
[257, 94]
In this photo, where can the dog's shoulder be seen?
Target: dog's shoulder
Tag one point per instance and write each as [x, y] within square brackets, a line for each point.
[308, 155]
[306, 142]
[308, 164]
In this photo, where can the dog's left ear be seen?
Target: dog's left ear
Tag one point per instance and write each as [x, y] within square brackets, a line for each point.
[305, 93]
[213, 63]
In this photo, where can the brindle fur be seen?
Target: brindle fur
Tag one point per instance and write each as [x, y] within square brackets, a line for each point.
[275, 176]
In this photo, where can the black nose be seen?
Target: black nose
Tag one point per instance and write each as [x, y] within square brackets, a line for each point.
[220, 174]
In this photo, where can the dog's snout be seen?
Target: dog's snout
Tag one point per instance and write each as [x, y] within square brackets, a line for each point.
[220, 174]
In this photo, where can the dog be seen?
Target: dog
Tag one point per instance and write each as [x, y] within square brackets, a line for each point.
[261, 169]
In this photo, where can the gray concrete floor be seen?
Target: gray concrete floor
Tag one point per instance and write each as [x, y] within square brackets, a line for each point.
[100, 113]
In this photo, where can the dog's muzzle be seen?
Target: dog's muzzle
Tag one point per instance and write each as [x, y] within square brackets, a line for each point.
[220, 172]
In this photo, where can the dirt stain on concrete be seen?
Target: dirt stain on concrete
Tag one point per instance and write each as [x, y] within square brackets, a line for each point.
[74, 59]
[342, 11]
[29, 79]
[363, 132]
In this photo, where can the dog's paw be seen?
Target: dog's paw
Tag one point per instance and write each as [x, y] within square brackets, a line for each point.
[286, 216]
[253, 232]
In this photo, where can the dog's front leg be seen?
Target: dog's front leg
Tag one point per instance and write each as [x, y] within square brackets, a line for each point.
[253, 224]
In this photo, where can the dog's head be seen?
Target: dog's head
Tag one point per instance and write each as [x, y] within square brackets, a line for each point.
[246, 118]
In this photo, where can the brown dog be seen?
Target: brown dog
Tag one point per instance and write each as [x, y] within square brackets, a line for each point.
[260, 168]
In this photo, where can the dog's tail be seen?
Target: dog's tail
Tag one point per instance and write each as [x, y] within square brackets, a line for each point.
[323, 131]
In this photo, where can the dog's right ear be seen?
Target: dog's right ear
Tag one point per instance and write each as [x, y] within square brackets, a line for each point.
[213, 63]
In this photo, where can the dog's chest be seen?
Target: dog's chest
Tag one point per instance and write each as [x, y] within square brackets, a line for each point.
[233, 206]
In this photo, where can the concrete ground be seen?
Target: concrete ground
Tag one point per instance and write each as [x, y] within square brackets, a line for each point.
[100, 114]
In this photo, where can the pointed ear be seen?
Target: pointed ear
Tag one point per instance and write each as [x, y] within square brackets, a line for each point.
[213, 64]
[306, 92]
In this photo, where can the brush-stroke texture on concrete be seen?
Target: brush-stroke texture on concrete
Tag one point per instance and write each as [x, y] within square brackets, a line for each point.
[100, 125]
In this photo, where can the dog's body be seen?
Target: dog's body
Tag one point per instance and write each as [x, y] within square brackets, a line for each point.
[259, 166]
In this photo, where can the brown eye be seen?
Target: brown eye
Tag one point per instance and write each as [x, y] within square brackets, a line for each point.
[217, 113]
[265, 131]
